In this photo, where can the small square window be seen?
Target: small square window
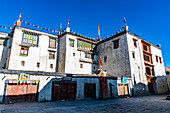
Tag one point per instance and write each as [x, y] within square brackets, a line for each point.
[24, 51]
[71, 42]
[38, 64]
[146, 58]
[51, 55]
[81, 65]
[116, 43]
[22, 63]
[51, 66]
[73, 54]
[145, 47]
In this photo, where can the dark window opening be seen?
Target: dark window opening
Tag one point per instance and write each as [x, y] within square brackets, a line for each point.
[146, 58]
[145, 48]
[135, 42]
[105, 59]
[38, 64]
[81, 65]
[167, 72]
[92, 56]
[160, 59]
[148, 71]
[74, 54]
[153, 72]
[51, 66]
[133, 54]
[116, 44]
[156, 58]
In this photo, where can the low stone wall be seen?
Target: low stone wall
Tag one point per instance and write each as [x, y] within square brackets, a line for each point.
[160, 85]
[140, 89]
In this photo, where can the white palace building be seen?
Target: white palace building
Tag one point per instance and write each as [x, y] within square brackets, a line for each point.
[44, 56]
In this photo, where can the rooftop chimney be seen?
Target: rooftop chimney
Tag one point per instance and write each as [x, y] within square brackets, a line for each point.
[159, 45]
[18, 23]
[59, 33]
[126, 28]
[67, 29]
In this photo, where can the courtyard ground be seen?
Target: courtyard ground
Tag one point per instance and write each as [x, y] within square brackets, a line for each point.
[144, 104]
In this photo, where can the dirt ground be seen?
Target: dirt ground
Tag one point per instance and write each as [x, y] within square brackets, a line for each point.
[144, 104]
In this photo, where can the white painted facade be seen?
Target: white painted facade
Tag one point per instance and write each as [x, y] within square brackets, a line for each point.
[70, 58]
[159, 66]
[39, 54]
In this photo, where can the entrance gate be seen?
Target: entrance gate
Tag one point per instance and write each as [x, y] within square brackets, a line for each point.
[63, 90]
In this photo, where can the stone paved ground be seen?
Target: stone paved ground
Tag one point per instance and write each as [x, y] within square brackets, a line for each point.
[145, 104]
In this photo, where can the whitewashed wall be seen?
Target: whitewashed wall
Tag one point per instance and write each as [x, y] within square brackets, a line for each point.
[67, 62]
[35, 54]
[159, 67]
[137, 63]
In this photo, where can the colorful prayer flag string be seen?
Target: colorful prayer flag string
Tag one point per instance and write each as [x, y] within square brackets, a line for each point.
[6, 27]
[54, 31]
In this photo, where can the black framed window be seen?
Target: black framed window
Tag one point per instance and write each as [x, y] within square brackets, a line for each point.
[52, 43]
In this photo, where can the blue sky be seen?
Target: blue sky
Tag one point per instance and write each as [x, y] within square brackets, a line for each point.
[149, 19]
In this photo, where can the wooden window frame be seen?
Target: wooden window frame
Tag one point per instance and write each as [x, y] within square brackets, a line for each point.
[22, 63]
[51, 56]
[145, 47]
[30, 35]
[50, 41]
[148, 57]
[148, 71]
[73, 42]
[51, 66]
[116, 44]
[24, 50]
